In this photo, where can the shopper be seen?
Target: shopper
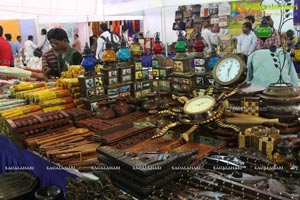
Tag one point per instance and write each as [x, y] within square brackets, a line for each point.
[251, 19]
[77, 43]
[66, 54]
[29, 47]
[262, 71]
[19, 44]
[273, 40]
[246, 41]
[49, 61]
[13, 45]
[6, 55]
[101, 41]
[44, 44]
[207, 34]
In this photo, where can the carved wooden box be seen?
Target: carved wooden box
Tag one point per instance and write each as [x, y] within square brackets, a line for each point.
[91, 86]
[182, 82]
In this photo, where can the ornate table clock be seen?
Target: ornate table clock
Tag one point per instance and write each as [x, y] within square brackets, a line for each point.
[198, 111]
[91, 83]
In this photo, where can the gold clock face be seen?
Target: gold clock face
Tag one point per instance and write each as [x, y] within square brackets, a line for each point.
[229, 70]
[199, 105]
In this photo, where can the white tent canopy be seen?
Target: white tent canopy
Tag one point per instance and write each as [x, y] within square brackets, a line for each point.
[157, 15]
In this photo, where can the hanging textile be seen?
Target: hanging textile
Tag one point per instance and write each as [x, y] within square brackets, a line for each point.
[137, 25]
[129, 25]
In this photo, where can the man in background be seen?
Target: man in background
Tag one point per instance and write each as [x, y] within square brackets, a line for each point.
[6, 55]
[29, 47]
[19, 44]
[101, 41]
[12, 44]
[207, 34]
[251, 19]
[246, 41]
[44, 44]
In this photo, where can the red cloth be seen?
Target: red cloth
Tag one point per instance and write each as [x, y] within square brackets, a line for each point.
[6, 55]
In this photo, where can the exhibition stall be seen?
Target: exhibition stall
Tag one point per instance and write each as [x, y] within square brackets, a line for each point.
[204, 106]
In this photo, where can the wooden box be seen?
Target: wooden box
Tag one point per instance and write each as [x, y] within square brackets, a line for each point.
[182, 82]
[91, 87]
[110, 76]
[125, 74]
[125, 136]
[18, 184]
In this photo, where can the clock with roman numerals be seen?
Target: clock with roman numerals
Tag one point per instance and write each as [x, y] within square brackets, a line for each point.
[230, 70]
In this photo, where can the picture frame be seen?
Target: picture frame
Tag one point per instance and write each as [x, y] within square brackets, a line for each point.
[126, 71]
[113, 91]
[98, 81]
[112, 73]
[154, 63]
[113, 80]
[125, 88]
[126, 78]
[146, 85]
[155, 73]
[199, 61]
[145, 74]
[89, 83]
[138, 66]
[99, 91]
[90, 93]
[138, 75]
[178, 66]
[200, 69]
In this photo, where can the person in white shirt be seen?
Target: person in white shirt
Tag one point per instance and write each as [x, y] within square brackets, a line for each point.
[105, 33]
[207, 34]
[247, 40]
[44, 44]
[29, 47]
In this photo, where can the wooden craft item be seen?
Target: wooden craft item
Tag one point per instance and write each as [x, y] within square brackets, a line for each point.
[18, 185]
[133, 176]
[78, 114]
[22, 128]
[125, 135]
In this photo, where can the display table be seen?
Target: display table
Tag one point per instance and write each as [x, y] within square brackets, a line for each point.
[12, 156]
